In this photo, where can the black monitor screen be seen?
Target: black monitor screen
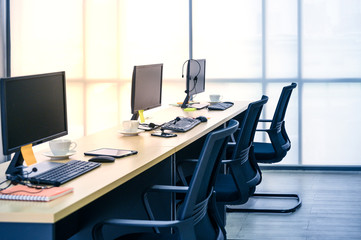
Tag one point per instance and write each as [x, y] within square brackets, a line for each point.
[33, 110]
[146, 87]
[196, 76]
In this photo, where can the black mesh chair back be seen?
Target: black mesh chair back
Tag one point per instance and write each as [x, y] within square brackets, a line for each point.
[238, 182]
[202, 182]
[242, 166]
[274, 151]
[195, 216]
[282, 104]
[280, 143]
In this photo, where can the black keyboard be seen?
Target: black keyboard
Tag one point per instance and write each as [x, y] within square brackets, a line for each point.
[220, 106]
[181, 124]
[64, 173]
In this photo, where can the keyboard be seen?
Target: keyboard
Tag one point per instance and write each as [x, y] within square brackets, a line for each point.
[220, 106]
[181, 124]
[64, 172]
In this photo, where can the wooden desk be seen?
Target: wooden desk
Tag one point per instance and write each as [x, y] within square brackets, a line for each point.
[108, 177]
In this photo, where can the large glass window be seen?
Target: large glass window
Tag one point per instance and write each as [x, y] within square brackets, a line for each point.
[281, 39]
[331, 123]
[97, 43]
[229, 35]
[331, 39]
[252, 47]
[276, 42]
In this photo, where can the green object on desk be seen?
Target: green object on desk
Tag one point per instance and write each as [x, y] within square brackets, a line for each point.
[189, 109]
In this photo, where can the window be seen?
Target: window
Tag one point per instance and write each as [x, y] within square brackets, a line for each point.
[97, 43]
[252, 47]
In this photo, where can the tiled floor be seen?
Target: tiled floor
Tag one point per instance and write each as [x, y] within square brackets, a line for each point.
[331, 208]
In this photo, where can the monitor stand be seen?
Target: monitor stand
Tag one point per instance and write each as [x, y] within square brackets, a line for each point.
[139, 114]
[142, 124]
[185, 102]
[17, 172]
[135, 116]
[16, 165]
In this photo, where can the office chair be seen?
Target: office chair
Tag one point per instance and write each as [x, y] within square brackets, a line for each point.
[238, 182]
[195, 215]
[240, 174]
[275, 150]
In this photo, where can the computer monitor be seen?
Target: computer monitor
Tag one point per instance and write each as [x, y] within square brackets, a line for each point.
[146, 88]
[195, 82]
[33, 111]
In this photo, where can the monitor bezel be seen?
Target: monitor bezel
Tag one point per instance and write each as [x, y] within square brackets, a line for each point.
[4, 121]
[135, 110]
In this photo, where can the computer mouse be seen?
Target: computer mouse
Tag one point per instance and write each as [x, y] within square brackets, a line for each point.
[202, 119]
[102, 159]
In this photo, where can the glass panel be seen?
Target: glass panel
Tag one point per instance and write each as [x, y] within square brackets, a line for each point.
[124, 95]
[48, 37]
[101, 106]
[98, 41]
[331, 123]
[281, 39]
[228, 35]
[331, 39]
[101, 38]
[153, 32]
[75, 109]
[174, 91]
[234, 91]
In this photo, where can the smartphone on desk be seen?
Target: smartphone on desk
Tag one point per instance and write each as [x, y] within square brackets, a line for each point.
[113, 152]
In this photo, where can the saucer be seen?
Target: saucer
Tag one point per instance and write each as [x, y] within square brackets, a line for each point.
[214, 102]
[57, 157]
[131, 133]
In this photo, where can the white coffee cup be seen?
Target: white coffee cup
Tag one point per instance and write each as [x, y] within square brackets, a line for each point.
[130, 126]
[60, 147]
[215, 97]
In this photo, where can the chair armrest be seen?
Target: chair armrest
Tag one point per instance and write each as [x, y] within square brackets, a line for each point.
[226, 161]
[160, 188]
[265, 120]
[180, 171]
[97, 229]
[188, 160]
[167, 188]
[231, 144]
[140, 223]
[263, 130]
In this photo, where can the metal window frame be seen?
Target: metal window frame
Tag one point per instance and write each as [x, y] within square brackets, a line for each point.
[300, 84]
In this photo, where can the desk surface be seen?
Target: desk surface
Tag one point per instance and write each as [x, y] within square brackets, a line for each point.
[96, 183]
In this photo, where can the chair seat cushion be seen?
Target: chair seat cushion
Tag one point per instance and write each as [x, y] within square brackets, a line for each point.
[226, 190]
[264, 152]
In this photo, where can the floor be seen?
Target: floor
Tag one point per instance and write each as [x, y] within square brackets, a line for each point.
[331, 208]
